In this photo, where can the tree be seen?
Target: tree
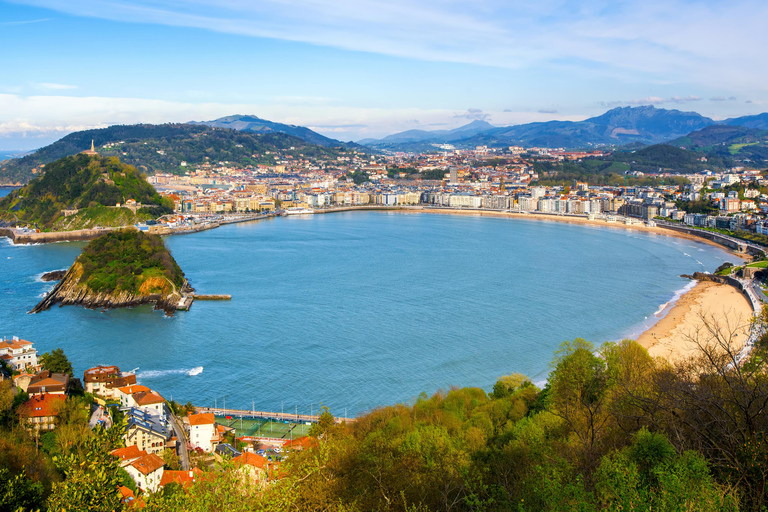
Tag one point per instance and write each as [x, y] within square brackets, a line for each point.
[324, 423]
[508, 384]
[91, 475]
[18, 493]
[578, 395]
[56, 361]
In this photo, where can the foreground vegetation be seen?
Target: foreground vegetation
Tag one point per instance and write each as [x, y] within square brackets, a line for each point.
[81, 182]
[614, 429]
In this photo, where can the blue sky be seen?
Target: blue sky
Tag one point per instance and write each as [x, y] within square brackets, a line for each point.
[367, 68]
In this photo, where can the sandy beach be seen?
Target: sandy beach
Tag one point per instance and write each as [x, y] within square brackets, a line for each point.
[671, 337]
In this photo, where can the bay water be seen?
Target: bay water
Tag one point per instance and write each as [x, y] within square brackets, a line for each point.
[361, 309]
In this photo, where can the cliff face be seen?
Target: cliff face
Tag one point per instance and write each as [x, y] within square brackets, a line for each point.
[69, 291]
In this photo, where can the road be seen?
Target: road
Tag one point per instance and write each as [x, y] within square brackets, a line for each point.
[181, 441]
[265, 414]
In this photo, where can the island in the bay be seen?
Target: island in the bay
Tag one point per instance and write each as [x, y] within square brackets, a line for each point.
[121, 268]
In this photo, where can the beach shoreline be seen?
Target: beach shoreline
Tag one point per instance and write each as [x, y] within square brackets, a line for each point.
[636, 224]
[680, 323]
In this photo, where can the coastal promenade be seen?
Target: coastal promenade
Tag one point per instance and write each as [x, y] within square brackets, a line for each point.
[27, 236]
[278, 416]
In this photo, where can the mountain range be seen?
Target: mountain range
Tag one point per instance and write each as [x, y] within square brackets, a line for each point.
[621, 125]
[168, 148]
[257, 125]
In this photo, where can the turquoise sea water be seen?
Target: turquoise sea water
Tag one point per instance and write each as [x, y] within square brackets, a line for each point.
[362, 309]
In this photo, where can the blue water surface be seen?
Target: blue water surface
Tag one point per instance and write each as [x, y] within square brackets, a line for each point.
[361, 309]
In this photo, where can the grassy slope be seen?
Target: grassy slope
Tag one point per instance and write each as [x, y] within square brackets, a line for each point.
[82, 182]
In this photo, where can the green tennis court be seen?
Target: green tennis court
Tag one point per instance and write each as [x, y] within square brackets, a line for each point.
[263, 427]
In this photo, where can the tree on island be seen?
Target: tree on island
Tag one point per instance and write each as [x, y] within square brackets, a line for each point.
[56, 361]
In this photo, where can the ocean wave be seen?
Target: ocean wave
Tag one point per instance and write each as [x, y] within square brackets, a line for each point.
[153, 374]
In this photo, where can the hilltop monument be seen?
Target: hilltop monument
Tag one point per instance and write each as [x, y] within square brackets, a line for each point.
[90, 152]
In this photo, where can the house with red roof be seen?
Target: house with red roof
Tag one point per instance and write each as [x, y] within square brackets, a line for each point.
[183, 478]
[18, 353]
[300, 443]
[202, 431]
[124, 394]
[147, 471]
[252, 467]
[150, 401]
[39, 412]
[129, 499]
[128, 454]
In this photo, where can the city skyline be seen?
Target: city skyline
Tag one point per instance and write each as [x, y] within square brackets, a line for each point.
[368, 70]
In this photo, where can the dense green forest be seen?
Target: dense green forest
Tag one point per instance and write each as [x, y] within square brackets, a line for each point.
[162, 148]
[123, 260]
[78, 182]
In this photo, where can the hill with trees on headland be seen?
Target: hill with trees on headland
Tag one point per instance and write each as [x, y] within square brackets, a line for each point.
[164, 148]
[88, 187]
[119, 269]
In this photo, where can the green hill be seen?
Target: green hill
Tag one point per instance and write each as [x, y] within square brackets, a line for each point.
[121, 268]
[163, 148]
[91, 184]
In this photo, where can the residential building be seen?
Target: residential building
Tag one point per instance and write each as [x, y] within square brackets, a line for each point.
[39, 412]
[183, 478]
[125, 394]
[18, 353]
[149, 432]
[106, 380]
[150, 401]
[46, 382]
[202, 431]
[252, 467]
[147, 471]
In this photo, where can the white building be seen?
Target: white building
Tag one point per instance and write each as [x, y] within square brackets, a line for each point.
[202, 431]
[18, 353]
[147, 471]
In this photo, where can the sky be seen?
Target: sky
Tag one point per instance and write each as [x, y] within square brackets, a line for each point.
[368, 68]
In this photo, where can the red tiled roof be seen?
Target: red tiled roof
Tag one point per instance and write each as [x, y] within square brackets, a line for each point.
[301, 442]
[129, 499]
[185, 478]
[148, 398]
[252, 459]
[202, 419]
[129, 390]
[148, 463]
[14, 344]
[128, 453]
[41, 406]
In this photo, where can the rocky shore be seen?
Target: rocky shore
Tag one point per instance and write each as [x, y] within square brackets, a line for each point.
[69, 291]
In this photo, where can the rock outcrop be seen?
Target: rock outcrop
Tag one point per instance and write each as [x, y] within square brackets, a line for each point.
[69, 291]
[56, 275]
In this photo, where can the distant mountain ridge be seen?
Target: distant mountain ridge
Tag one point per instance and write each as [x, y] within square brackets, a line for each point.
[163, 148]
[621, 125]
[246, 123]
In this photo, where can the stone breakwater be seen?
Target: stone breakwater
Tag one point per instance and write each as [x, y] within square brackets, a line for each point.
[69, 292]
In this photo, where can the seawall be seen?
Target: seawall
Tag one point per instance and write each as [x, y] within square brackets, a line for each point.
[21, 237]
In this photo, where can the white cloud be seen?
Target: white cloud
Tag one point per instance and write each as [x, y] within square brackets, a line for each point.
[50, 116]
[677, 40]
[475, 114]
